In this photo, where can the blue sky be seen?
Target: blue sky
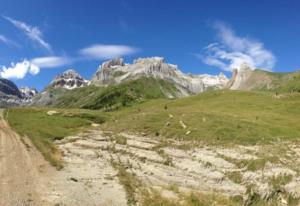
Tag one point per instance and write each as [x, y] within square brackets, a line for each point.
[39, 39]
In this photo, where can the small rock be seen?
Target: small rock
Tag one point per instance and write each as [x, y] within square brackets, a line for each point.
[73, 179]
[95, 125]
[283, 201]
[188, 132]
[182, 124]
[52, 112]
[171, 116]
[168, 124]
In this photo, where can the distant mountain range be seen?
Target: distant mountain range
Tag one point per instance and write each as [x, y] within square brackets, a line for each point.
[116, 71]
[11, 95]
[145, 78]
[116, 84]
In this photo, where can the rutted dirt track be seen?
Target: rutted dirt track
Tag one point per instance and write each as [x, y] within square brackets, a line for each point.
[26, 179]
[21, 169]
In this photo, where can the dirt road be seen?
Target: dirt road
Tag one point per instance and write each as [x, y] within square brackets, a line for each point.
[21, 169]
[27, 179]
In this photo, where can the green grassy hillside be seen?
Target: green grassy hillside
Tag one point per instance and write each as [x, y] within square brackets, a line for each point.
[215, 117]
[280, 82]
[116, 96]
[291, 83]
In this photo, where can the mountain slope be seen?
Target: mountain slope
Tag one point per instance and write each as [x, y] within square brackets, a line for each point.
[48, 97]
[223, 116]
[116, 71]
[116, 84]
[248, 79]
[115, 96]
[69, 79]
[9, 94]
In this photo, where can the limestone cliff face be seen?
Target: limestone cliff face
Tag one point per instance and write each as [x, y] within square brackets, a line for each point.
[248, 79]
[116, 71]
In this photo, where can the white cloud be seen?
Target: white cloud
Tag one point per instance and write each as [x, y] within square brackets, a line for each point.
[32, 32]
[51, 61]
[100, 51]
[7, 41]
[233, 51]
[19, 70]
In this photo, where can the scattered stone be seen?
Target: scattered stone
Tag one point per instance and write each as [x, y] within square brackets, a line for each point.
[95, 125]
[73, 179]
[52, 112]
[182, 124]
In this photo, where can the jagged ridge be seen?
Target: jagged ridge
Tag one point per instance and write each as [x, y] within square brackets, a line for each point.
[116, 71]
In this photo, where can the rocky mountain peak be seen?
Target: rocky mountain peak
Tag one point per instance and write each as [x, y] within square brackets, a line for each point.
[115, 72]
[70, 73]
[113, 63]
[69, 79]
[240, 76]
[150, 60]
[28, 93]
[245, 67]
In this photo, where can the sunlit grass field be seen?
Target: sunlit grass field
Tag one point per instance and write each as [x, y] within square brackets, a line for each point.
[214, 117]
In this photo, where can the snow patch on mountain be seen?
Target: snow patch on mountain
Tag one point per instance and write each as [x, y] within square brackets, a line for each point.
[70, 79]
[28, 93]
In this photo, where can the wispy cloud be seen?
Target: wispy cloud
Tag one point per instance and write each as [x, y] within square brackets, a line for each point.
[19, 70]
[8, 41]
[51, 61]
[100, 51]
[233, 51]
[32, 32]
